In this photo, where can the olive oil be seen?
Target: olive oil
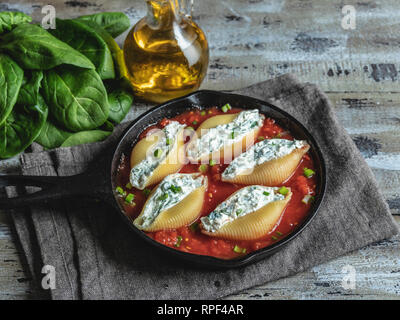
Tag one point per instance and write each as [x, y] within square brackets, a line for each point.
[166, 53]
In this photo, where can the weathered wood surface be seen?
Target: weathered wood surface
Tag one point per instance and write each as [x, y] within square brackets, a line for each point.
[253, 40]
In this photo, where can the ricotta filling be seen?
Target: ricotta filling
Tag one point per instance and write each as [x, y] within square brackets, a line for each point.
[261, 152]
[225, 134]
[245, 201]
[172, 190]
[157, 154]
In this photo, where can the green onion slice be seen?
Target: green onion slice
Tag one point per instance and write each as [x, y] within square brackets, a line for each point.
[129, 198]
[120, 191]
[308, 172]
[129, 185]
[157, 153]
[203, 168]
[226, 107]
[178, 241]
[284, 191]
[238, 249]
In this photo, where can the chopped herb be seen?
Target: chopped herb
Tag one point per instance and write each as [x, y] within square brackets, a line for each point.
[157, 153]
[120, 191]
[203, 168]
[169, 141]
[163, 197]
[178, 241]
[274, 238]
[233, 134]
[238, 249]
[239, 211]
[213, 162]
[278, 135]
[284, 191]
[129, 185]
[254, 124]
[203, 113]
[194, 226]
[260, 138]
[129, 198]
[146, 192]
[175, 189]
[226, 107]
[308, 172]
[265, 193]
[279, 233]
[194, 122]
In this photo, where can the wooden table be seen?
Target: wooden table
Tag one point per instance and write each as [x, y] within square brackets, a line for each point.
[254, 40]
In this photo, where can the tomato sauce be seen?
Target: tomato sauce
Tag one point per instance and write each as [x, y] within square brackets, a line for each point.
[189, 238]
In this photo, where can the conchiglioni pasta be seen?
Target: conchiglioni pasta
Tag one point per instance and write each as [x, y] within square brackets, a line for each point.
[174, 203]
[157, 155]
[269, 162]
[224, 136]
[248, 214]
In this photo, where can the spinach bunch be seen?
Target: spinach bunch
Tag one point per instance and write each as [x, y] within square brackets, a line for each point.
[61, 87]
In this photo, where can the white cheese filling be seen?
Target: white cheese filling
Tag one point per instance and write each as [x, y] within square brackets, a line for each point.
[166, 141]
[245, 201]
[172, 190]
[225, 134]
[263, 151]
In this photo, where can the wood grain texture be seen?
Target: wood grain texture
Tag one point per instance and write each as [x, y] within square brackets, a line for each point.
[254, 40]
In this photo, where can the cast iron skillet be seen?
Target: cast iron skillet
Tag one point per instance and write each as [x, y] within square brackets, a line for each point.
[101, 184]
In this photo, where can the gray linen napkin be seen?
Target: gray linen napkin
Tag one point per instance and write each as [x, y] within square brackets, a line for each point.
[96, 257]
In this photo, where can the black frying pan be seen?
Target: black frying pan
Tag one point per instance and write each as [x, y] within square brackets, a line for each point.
[101, 184]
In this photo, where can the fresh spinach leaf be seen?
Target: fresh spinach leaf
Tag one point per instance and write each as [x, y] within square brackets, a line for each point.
[107, 126]
[52, 136]
[11, 76]
[86, 40]
[77, 98]
[26, 120]
[10, 19]
[29, 92]
[86, 137]
[120, 68]
[114, 23]
[120, 101]
[34, 48]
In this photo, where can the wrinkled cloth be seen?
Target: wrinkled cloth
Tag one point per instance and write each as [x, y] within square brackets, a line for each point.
[96, 256]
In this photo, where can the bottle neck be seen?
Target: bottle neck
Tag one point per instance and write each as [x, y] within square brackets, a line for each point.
[163, 13]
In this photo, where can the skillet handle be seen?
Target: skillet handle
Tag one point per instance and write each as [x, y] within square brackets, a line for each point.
[55, 188]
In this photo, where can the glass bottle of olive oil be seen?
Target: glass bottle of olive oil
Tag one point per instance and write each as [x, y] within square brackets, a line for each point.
[166, 53]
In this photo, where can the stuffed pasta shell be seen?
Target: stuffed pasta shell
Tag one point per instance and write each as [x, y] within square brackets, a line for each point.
[269, 162]
[248, 214]
[225, 135]
[174, 203]
[157, 155]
